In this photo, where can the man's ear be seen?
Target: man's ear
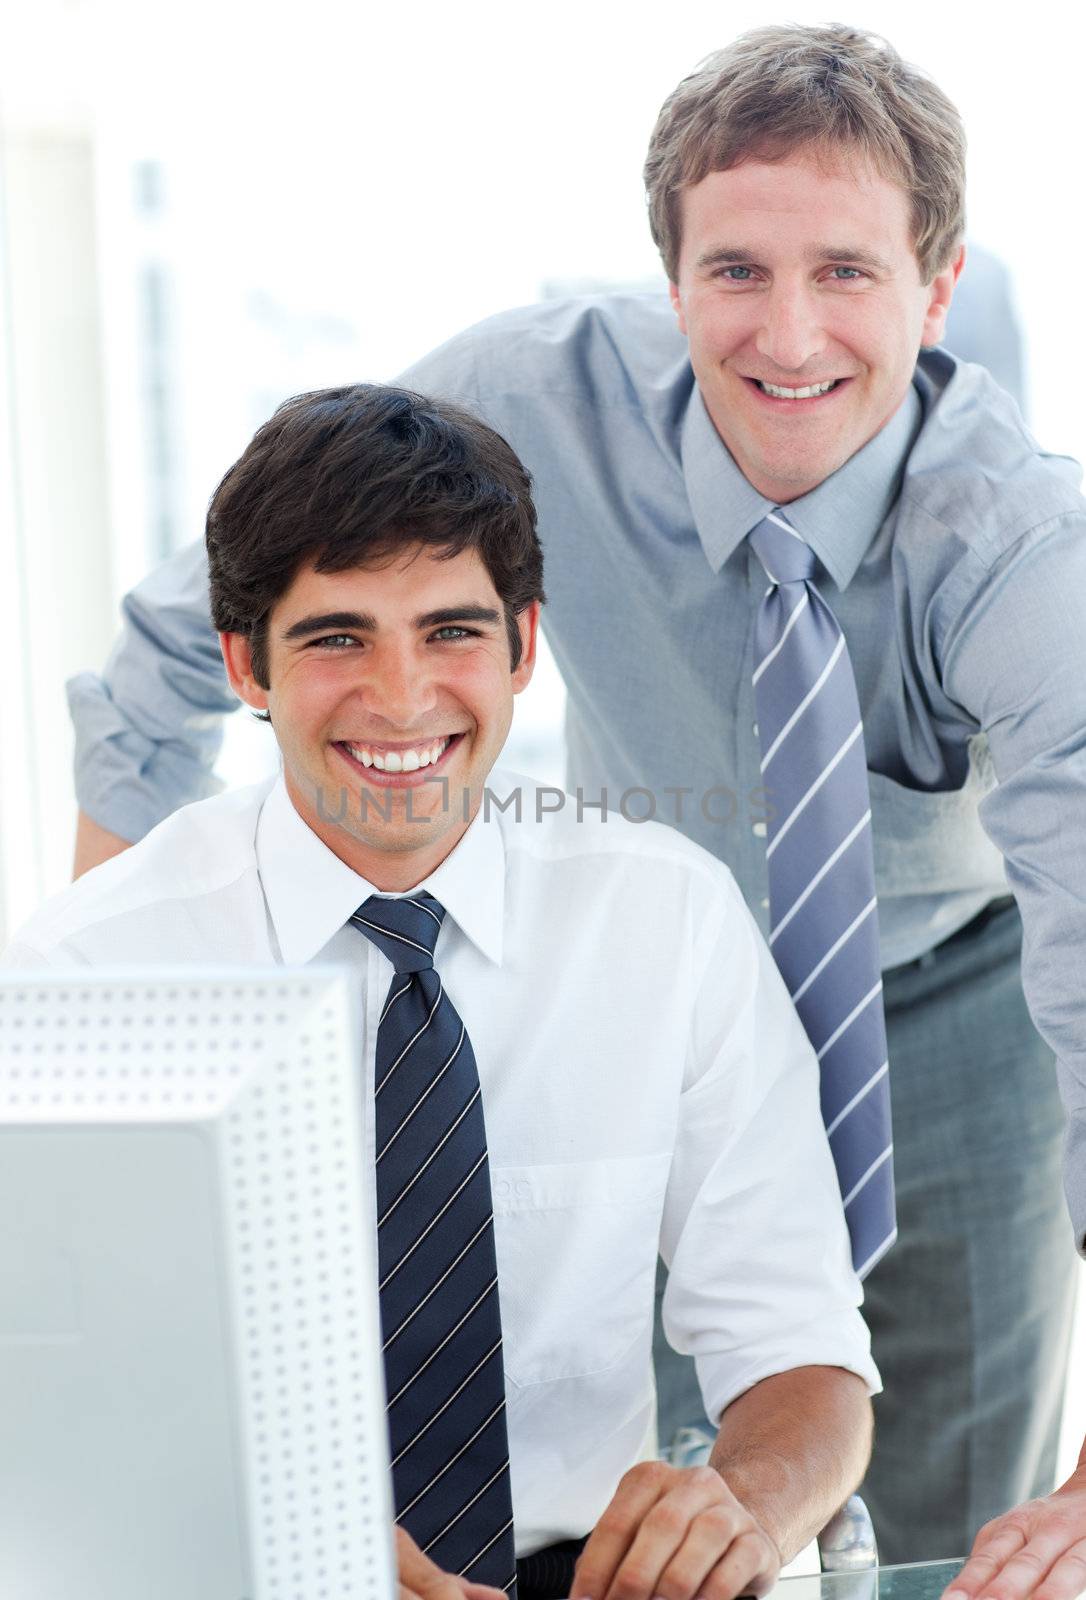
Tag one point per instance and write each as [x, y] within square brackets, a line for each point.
[940, 293]
[677, 305]
[239, 669]
[528, 623]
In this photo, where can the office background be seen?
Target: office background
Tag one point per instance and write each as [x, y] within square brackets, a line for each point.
[205, 208]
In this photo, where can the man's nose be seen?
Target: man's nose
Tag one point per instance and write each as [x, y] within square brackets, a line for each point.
[399, 686]
[791, 332]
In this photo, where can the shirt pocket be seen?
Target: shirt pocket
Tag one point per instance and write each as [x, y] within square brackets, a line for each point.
[576, 1245]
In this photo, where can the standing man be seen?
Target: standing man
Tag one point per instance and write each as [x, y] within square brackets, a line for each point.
[806, 189]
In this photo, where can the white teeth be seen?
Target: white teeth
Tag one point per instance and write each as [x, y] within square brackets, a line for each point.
[400, 760]
[796, 394]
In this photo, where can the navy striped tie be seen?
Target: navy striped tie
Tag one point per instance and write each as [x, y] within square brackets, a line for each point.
[823, 920]
[435, 1253]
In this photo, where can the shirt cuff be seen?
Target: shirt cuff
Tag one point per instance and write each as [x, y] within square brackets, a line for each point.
[722, 1381]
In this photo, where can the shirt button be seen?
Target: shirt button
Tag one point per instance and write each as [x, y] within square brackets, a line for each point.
[765, 905]
[754, 729]
[758, 828]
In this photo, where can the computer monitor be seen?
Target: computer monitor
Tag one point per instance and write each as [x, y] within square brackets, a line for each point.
[191, 1390]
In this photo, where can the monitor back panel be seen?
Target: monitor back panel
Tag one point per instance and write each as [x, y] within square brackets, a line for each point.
[190, 1383]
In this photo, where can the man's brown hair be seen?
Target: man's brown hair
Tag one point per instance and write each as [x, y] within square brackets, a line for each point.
[834, 90]
[350, 477]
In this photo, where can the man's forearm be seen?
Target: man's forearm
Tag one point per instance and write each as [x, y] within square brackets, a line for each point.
[788, 1454]
[793, 1448]
[94, 844]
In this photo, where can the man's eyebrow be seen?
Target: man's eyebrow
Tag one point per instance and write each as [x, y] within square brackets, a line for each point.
[362, 622]
[723, 256]
[726, 255]
[470, 612]
[851, 258]
[331, 622]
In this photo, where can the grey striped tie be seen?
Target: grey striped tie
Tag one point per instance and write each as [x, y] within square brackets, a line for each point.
[823, 921]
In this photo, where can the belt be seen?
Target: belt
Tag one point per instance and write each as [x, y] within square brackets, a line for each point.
[994, 908]
[968, 930]
[547, 1574]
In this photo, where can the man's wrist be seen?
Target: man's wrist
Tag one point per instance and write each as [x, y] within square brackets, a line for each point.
[1075, 1483]
[761, 1486]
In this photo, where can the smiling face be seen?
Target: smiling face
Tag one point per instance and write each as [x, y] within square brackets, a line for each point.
[800, 293]
[391, 694]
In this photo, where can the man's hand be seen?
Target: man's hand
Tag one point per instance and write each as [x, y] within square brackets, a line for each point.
[421, 1580]
[677, 1533]
[1038, 1549]
[94, 844]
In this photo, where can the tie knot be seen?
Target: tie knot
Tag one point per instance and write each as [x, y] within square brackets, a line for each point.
[403, 930]
[785, 556]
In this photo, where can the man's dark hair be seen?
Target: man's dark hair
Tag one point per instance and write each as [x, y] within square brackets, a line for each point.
[350, 477]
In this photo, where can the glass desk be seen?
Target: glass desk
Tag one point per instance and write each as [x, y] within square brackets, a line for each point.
[924, 1580]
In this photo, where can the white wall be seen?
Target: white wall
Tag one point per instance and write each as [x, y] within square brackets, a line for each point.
[57, 581]
[19, 875]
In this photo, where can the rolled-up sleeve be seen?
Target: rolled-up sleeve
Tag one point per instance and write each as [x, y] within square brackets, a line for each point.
[147, 731]
[753, 1232]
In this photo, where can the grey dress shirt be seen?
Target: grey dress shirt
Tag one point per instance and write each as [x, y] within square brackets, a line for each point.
[954, 557]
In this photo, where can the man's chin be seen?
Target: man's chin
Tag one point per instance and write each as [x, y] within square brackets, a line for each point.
[390, 819]
[370, 814]
[787, 477]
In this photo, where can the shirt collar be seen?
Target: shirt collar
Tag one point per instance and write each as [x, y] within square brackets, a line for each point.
[838, 519]
[310, 892]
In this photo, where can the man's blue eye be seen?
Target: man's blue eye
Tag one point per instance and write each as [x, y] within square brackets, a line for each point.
[853, 270]
[730, 270]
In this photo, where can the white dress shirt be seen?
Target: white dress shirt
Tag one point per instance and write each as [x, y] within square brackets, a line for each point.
[646, 1086]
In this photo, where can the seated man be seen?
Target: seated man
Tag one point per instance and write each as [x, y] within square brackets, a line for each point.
[578, 1048]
